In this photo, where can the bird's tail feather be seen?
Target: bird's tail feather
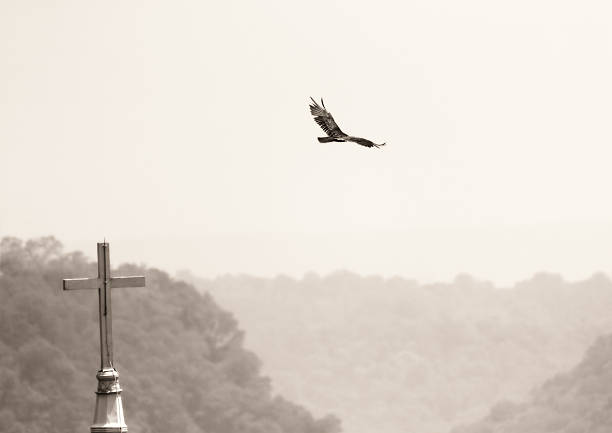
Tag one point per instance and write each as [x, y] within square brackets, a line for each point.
[326, 139]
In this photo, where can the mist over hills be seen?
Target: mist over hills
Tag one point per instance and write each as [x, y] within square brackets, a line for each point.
[385, 355]
[181, 358]
[391, 355]
[574, 402]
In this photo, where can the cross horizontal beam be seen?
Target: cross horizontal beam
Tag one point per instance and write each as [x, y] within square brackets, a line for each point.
[132, 281]
[95, 283]
[81, 283]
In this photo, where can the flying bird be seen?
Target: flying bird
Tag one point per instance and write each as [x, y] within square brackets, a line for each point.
[325, 120]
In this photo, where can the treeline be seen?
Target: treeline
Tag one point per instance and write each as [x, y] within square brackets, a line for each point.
[181, 357]
[392, 355]
[576, 402]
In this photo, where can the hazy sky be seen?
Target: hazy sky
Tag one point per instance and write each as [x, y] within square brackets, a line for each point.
[180, 131]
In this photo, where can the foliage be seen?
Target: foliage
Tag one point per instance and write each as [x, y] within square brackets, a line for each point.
[181, 357]
[575, 402]
[389, 355]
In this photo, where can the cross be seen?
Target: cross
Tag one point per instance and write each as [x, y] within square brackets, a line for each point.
[104, 282]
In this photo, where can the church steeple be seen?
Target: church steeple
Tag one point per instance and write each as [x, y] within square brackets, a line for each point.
[108, 416]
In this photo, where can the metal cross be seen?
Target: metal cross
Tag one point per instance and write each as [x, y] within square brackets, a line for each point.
[104, 282]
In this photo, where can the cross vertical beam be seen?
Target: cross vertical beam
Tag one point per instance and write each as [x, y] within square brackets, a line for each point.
[104, 296]
[108, 416]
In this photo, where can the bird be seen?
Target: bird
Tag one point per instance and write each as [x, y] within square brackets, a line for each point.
[327, 123]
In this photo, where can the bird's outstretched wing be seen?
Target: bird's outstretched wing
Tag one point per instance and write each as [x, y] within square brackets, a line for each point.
[325, 120]
[364, 142]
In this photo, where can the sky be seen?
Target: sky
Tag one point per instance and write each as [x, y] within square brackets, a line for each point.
[180, 132]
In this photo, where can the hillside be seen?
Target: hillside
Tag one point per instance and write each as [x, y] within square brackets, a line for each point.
[576, 402]
[391, 355]
[181, 357]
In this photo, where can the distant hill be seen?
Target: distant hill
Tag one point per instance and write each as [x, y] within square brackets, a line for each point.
[576, 402]
[391, 355]
[181, 357]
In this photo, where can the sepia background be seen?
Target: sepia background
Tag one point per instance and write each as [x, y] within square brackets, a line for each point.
[403, 289]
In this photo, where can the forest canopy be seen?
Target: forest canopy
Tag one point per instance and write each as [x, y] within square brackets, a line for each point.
[181, 357]
[394, 355]
[575, 402]
[385, 355]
